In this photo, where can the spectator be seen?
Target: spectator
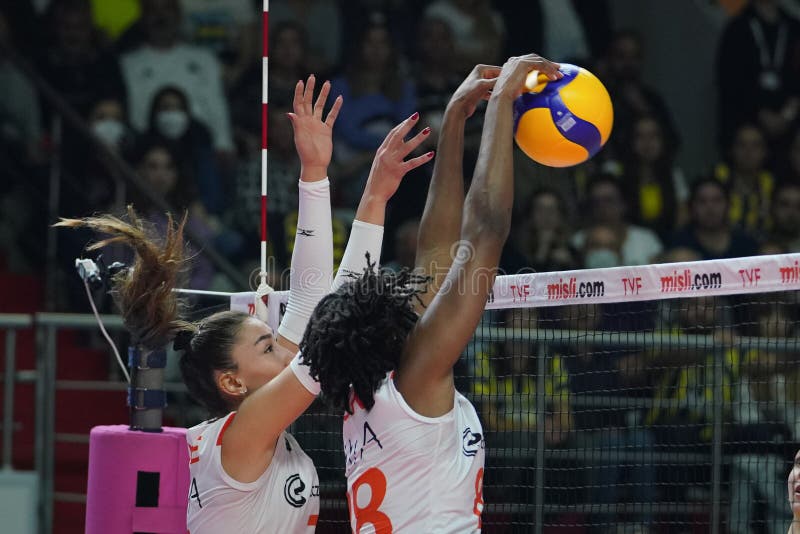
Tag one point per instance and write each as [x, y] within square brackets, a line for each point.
[323, 23]
[785, 210]
[478, 29]
[763, 41]
[158, 167]
[228, 28]
[401, 16]
[164, 60]
[746, 175]
[288, 57]
[602, 430]
[564, 31]
[505, 387]
[543, 237]
[791, 162]
[606, 207]
[504, 391]
[621, 72]
[759, 426]
[709, 231]
[284, 172]
[655, 188]
[376, 97]
[75, 63]
[436, 75]
[681, 416]
[20, 115]
[91, 184]
[171, 123]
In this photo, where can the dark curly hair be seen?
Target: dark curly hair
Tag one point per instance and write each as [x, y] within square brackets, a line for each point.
[152, 311]
[357, 334]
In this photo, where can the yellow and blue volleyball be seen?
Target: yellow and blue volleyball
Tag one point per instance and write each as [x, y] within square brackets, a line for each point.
[563, 122]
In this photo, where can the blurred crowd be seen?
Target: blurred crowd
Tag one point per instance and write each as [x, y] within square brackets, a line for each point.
[173, 89]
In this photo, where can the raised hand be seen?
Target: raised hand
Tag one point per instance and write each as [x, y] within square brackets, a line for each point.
[511, 80]
[390, 165]
[476, 86]
[312, 134]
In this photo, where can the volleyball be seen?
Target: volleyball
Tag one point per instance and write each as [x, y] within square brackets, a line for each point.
[563, 122]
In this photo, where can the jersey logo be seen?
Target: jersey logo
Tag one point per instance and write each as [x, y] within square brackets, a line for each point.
[471, 442]
[305, 233]
[293, 490]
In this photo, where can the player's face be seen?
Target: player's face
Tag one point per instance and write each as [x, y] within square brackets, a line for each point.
[258, 357]
[793, 486]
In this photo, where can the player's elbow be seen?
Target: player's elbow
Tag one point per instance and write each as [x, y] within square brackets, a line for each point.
[484, 223]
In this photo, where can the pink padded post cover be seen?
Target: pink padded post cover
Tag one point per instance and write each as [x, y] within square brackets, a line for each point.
[116, 456]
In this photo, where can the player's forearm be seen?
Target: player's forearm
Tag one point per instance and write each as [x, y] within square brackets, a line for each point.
[440, 225]
[312, 258]
[487, 209]
[371, 208]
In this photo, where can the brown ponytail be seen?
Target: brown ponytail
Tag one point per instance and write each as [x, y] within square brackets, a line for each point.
[152, 311]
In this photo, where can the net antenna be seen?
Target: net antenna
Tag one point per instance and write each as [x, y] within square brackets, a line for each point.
[263, 291]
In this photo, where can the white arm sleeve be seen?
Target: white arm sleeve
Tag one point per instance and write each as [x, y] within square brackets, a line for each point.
[364, 238]
[303, 374]
[312, 258]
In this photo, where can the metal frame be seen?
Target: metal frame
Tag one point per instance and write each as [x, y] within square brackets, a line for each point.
[47, 326]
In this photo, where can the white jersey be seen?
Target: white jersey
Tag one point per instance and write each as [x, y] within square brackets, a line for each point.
[410, 473]
[285, 498]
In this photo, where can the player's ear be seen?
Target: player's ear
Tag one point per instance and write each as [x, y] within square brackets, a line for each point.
[231, 384]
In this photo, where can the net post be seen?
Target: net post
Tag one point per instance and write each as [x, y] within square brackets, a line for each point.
[146, 395]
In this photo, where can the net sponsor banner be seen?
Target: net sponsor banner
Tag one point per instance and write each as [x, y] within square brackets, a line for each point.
[757, 274]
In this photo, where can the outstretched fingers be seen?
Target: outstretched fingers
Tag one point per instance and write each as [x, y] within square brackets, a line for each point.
[409, 146]
[334, 111]
[297, 101]
[399, 132]
[319, 105]
[308, 94]
[413, 163]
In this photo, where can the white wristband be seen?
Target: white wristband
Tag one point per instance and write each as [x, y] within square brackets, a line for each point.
[303, 374]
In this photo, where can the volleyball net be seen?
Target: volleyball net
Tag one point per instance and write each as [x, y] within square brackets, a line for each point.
[655, 398]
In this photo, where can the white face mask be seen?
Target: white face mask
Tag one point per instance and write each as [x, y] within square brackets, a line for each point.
[110, 131]
[172, 123]
[601, 258]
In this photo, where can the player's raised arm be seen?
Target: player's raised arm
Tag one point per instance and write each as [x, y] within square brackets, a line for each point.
[425, 373]
[440, 225]
[388, 169]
